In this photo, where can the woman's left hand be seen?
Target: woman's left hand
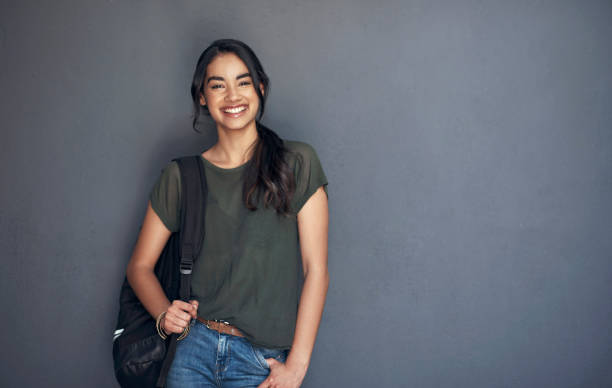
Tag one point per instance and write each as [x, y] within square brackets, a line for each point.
[282, 376]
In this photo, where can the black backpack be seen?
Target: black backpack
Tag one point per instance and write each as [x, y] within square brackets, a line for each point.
[141, 357]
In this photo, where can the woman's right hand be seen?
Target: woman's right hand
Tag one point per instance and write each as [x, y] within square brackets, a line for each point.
[179, 315]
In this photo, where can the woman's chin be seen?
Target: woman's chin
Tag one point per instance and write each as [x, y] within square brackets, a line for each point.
[236, 125]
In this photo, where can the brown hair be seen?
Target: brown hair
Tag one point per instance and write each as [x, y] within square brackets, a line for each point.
[267, 172]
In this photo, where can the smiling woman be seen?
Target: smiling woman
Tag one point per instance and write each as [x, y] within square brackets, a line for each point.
[229, 94]
[266, 209]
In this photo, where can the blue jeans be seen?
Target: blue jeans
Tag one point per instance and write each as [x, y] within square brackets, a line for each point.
[207, 358]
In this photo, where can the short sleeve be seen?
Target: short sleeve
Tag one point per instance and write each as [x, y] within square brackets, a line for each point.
[309, 175]
[165, 196]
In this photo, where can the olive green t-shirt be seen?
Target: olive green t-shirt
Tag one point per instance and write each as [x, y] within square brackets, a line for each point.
[248, 269]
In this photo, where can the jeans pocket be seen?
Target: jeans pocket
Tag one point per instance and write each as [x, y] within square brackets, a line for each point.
[261, 353]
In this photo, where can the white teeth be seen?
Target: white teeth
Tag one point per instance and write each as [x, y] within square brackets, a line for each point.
[235, 110]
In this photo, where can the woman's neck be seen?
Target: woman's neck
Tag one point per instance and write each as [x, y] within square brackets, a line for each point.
[234, 147]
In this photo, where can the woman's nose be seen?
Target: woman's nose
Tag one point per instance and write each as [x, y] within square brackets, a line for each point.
[232, 93]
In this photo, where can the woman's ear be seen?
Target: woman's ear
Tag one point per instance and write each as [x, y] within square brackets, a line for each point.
[261, 87]
[202, 99]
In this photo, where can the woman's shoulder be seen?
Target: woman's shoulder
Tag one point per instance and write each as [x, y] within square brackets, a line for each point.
[169, 176]
[299, 148]
[303, 158]
[171, 168]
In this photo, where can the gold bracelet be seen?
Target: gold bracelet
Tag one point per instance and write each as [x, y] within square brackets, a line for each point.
[185, 332]
[160, 330]
[162, 333]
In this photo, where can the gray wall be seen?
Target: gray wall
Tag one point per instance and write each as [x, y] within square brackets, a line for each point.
[468, 146]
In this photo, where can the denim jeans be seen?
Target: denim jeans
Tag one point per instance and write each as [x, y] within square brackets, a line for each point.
[207, 358]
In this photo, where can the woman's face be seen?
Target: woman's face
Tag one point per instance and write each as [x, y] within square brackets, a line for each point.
[229, 92]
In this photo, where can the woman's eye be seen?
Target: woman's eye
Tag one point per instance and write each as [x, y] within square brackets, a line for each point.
[217, 86]
[245, 83]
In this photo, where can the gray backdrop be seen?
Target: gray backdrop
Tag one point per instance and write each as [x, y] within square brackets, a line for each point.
[468, 146]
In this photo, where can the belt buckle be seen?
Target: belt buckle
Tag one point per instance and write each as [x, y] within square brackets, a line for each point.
[215, 320]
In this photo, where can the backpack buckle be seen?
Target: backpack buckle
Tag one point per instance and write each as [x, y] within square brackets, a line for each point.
[186, 265]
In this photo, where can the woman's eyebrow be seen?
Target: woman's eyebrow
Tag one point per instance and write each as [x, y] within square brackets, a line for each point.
[217, 78]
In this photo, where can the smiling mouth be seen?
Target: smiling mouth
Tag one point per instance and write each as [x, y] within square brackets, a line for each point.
[234, 110]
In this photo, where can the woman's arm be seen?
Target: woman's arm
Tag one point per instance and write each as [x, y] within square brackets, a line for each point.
[151, 241]
[141, 276]
[313, 221]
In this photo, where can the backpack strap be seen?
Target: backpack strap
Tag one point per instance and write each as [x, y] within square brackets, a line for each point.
[193, 211]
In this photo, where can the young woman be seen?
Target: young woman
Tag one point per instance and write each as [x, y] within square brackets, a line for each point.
[266, 208]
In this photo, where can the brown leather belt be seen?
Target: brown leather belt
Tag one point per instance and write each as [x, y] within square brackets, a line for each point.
[221, 327]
